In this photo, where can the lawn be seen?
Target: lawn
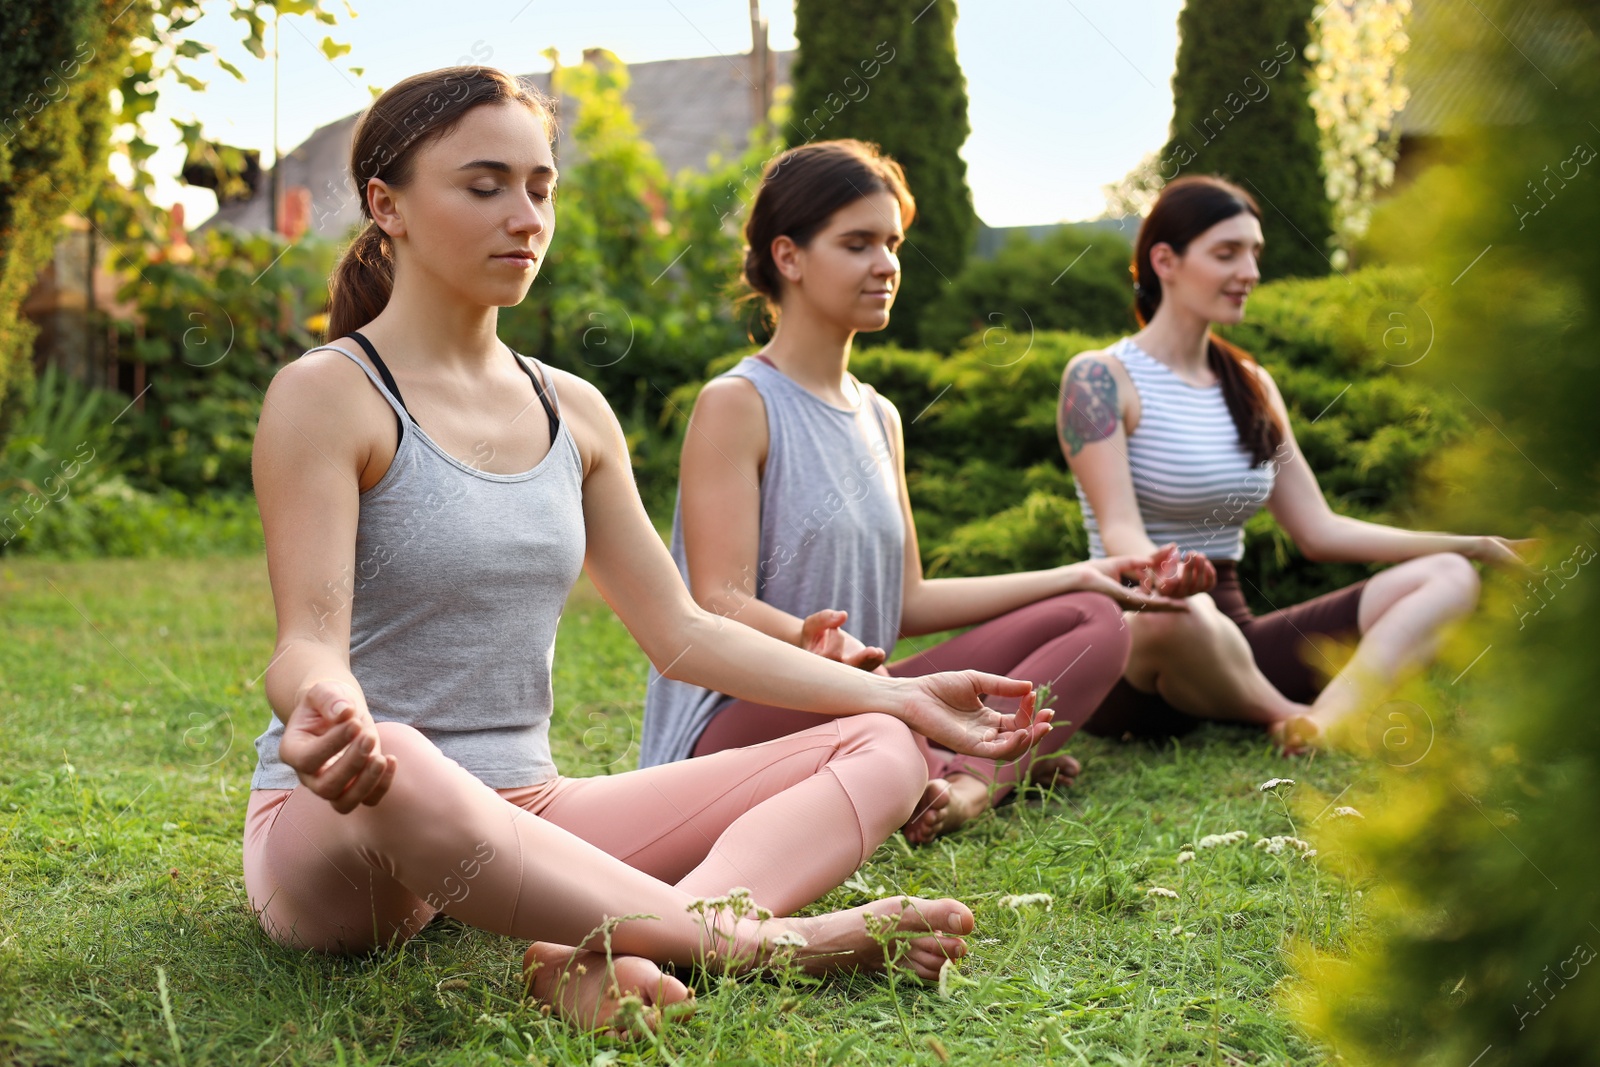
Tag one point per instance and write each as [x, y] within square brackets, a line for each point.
[129, 697]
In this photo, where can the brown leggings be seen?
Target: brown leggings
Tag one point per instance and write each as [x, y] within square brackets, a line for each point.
[1280, 642]
[1076, 642]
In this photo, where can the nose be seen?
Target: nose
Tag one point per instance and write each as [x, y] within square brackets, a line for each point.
[527, 218]
[886, 264]
[1252, 267]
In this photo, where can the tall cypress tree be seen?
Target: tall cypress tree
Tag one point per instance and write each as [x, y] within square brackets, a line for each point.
[887, 73]
[1242, 111]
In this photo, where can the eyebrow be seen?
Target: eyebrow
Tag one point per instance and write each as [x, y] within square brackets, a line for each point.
[873, 233]
[505, 168]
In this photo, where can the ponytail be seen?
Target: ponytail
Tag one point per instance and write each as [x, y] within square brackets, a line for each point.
[361, 283]
[1185, 209]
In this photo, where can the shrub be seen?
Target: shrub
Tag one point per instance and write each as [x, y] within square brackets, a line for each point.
[1073, 279]
[1484, 909]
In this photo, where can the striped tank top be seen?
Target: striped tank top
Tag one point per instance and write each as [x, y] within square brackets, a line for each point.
[1195, 484]
[832, 536]
[459, 580]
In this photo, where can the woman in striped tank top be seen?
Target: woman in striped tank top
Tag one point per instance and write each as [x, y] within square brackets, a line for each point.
[1175, 435]
[794, 518]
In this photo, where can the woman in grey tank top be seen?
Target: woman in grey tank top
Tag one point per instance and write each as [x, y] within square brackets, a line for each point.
[1174, 434]
[426, 512]
[793, 517]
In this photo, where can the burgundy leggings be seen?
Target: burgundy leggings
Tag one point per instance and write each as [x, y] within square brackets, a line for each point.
[1076, 642]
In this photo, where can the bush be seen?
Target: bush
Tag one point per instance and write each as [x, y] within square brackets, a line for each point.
[1484, 888]
[63, 490]
[1073, 279]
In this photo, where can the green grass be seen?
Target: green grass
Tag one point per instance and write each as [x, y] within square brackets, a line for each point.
[129, 697]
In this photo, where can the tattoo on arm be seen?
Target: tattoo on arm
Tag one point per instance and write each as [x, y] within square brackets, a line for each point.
[1088, 405]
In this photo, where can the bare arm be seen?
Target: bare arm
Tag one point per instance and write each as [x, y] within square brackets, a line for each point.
[1096, 403]
[932, 605]
[633, 572]
[308, 455]
[1327, 537]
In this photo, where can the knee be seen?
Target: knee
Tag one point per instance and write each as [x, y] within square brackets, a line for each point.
[1455, 578]
[398, 739]
[1176, 629]
[896, 756]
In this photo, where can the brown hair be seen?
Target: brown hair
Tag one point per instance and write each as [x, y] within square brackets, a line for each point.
[1187, 208]
[800, 190]
[417, 111]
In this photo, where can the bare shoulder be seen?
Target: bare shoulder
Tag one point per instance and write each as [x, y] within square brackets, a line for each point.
[1094, 392]
[325, 400]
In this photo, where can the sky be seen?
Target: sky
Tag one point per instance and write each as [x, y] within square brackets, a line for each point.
[1065, 96]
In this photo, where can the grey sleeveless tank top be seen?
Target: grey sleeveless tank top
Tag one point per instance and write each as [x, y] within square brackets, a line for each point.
[832, 536]
[460, 578]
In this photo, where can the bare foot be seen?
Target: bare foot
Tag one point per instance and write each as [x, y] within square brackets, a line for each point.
[961, 798]
[577, 986]
[924, 823]
[1055, 771]
[844, 941]
[1297, 735]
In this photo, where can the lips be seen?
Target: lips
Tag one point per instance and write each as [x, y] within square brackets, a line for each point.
[528, 257]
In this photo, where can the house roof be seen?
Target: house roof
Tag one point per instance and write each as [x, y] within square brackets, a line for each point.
[687, 109]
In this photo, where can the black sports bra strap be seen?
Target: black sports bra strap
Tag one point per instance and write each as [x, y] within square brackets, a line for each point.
[538, 389]
[383, 371]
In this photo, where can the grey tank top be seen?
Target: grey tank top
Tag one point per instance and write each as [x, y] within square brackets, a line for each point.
[460, 578]
[832, 536]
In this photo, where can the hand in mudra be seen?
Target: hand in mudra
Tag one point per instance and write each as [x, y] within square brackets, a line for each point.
[822, 633]
[1172, 573]
[948, 709]
[332, 743]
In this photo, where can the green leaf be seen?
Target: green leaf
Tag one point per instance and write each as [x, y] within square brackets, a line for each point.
[333, 49]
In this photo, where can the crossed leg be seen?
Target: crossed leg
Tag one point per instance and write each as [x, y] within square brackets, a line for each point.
[1201, 663]
[794, 817]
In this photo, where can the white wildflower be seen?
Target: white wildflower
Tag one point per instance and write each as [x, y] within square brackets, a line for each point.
[1023, 900]
[946, 969]
[788, 939]
[1272, 783]
[1347, 813]
[1275, 845]
[1214, 840]
[1185, 856]
[1158, 891]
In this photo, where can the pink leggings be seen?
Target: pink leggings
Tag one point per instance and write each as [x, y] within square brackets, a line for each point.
[1077, 642]
[788, 820]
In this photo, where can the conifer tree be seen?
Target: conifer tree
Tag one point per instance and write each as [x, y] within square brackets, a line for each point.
[887, 73]
[1242, 110]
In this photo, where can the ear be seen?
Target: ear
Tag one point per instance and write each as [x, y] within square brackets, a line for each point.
[787, 257]
[1163, 260]
[385, 208]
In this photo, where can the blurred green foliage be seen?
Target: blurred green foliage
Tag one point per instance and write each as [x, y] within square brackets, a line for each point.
[1485, 901]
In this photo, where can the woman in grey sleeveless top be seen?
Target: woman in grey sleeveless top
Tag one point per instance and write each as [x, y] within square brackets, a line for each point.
[426, 512]
[793, 517]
